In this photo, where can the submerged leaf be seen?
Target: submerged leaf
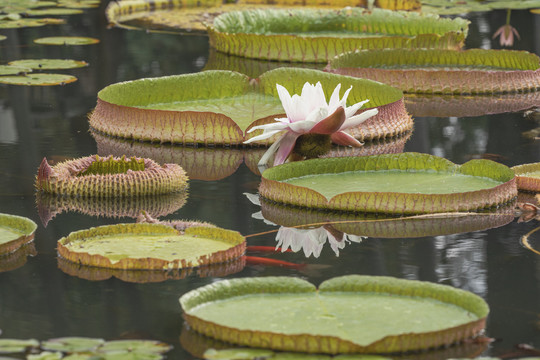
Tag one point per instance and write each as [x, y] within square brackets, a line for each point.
[349, 314]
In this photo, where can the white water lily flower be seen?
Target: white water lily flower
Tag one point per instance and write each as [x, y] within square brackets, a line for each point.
[309, 113]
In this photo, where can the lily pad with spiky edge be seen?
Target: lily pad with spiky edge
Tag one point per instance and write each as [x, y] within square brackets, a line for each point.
[349, 314]
[318, 36]
[424, 184]
[474, 71]
[48, 64]
[110, 177]
[66, 40]
[150, 246]
[8, 346]
[528, 177]
[421, 105]
[371, 225]
[15, 231]
[41, 79]
[217, 107]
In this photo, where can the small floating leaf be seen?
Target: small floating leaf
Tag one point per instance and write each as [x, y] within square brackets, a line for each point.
[137, 346]
[38, 79]
[46, 355]
[66, 40]
[474, 185]
[8, 346]
[237, 354]
[48, 64]
[15, 231]
[150, 246]
[54, 12]
[72, 344]
[348, 314]
[13, 70]
[3, 37]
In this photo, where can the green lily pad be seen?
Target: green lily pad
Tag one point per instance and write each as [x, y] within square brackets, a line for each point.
[217, 107]
[48, 64]
[15, 231]
[474, 71]
[13, 70]
[426, 183]
[46, 355]
[8, 346]
[110, 177]
[136, 346]
[150, 246]
[237, 354]
[79, 4]
[528, 177]
[3, 37]
[72, 344]
[53, 11]
[27, 22]
[38, 79]
[66, 40]
[319, 35]
[349, 314]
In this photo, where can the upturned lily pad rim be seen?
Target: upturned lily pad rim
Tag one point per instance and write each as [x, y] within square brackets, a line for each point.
[122, 101]
[332, 344]
[273, 188]
[20, 224]
[234, 239]
[524, 182]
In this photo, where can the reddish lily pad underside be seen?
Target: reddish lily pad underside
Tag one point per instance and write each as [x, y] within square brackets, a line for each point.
[217, 107]
[15, 231]
[474, 71]
[150, 247]
[349, 314]
[528, 177]
[426, 183]
[110, 177]
[319, 35]
[420, 105]
[391, 227]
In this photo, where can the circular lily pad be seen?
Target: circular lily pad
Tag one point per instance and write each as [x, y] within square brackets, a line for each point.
[349, 314]
[66, 40]
[474, 71]
[15, 231]
[426, 184]
[110, 177]
[528, 177]
[319, 35]
[138, 346]
[217, 107]
[8, 346]
[13, 70]
[150, 246]
[38, 79]
[53, 11]
[48, 64]
[72, 344]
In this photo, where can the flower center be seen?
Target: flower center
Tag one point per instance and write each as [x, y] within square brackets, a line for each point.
[312, 145]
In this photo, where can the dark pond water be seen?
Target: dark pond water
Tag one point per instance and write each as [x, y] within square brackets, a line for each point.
[39, 300]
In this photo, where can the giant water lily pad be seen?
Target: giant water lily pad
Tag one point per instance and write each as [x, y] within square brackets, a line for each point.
[406, 183]
[217, 107]
[109, 177]
[475, 71]
[318, 36]
[528, 177]
[349, 314]
[150, 246]
[41, 79]
[48, 64]
[15, 231]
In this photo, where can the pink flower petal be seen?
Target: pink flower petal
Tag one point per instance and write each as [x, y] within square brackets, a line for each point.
[342, 138]
[285, 147]
[330, 124]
